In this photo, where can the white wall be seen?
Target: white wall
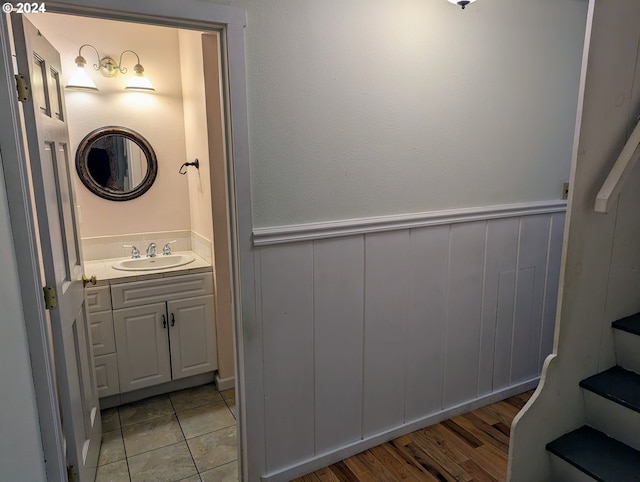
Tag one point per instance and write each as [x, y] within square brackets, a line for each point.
[158, 117]
[204, 131]
[372, 107]
[21, 456]
[196, 132]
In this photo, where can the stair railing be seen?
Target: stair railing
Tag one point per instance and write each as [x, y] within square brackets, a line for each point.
[619, 172]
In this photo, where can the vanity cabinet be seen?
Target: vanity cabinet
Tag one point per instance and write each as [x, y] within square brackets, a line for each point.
[155, 331]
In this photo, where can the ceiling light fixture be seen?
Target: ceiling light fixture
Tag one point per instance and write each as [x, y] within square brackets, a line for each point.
[108, 68]
[462, 3]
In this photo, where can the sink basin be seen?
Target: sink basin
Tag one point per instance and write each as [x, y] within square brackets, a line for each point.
[159, 262]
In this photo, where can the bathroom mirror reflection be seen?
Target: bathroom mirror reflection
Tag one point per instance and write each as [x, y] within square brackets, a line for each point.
[116, 163]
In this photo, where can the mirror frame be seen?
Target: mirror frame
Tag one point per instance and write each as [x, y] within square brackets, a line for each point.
[81, 163]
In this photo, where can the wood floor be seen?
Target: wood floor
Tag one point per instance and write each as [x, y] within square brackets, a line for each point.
[471, 447]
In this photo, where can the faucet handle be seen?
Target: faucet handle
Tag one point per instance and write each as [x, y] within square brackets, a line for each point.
[166, 251]
[151, 250]
[135, 252]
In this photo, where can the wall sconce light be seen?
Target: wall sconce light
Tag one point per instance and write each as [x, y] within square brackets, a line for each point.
[108, 68]
[462, 3]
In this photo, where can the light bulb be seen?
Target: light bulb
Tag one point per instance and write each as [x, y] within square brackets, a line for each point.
[80, 79]
[138, 81]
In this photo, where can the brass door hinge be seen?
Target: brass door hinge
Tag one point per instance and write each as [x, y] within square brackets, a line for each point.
[72, 474]
[24, 90]
[50, 298]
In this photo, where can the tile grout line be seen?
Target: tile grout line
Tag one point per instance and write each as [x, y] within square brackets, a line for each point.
[195, 465]
[124, 447]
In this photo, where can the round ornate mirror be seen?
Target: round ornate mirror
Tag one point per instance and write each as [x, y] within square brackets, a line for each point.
[116, 163]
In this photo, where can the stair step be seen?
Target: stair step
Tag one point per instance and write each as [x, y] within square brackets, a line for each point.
[618, 385]
[597, 455]
[630, 324]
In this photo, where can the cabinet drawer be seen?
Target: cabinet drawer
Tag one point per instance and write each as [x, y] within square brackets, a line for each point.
[98, 299]
[107, 375]
[147, 292]
[102, 335]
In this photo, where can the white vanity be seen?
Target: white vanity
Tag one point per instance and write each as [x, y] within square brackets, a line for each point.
[152, 332]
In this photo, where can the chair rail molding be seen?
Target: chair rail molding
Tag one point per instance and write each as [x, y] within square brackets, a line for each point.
[331, 229]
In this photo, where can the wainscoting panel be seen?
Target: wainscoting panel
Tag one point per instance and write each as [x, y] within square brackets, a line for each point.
[464, 296]
[366, 333]
[286, 289]
[504, 329]
[424, 348]
[501, 257]
[522, 323]
[553, 284]
[338, 280]
[534, 252]
[386, 304]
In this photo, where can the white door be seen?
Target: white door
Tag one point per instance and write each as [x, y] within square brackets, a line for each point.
[49, 154]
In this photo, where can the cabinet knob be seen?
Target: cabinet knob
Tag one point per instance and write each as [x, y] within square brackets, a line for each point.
[173, 319]
[164, 321]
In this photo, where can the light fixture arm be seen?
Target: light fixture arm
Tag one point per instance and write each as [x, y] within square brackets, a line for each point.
[122, 69]
[81, 60]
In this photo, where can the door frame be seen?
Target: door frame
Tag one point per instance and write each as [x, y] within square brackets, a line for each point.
[189, 14]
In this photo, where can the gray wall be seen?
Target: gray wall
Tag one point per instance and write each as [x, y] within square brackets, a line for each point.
[372, 107]
[21, 455]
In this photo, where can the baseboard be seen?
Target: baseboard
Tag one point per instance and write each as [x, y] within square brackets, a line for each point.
[134, 396]
[341, 453]
[225, 383]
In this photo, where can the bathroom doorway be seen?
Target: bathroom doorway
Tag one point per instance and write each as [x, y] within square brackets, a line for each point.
[216, 181]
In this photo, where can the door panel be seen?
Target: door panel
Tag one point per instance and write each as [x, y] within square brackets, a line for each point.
[39, 91]
[56, 90]
[66, 206]
[47, 140]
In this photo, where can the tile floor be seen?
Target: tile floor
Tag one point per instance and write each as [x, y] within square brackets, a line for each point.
[189, 436]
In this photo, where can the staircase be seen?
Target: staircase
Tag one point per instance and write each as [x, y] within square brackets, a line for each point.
[607, 449]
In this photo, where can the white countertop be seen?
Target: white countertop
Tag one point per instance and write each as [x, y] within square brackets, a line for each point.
[106, 274]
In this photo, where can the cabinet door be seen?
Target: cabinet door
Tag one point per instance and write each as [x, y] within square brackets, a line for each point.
[142, 346]
[192, 334]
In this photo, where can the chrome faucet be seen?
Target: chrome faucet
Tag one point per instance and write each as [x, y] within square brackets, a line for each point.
[135, 252]
[166, 251]
[151, 250]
